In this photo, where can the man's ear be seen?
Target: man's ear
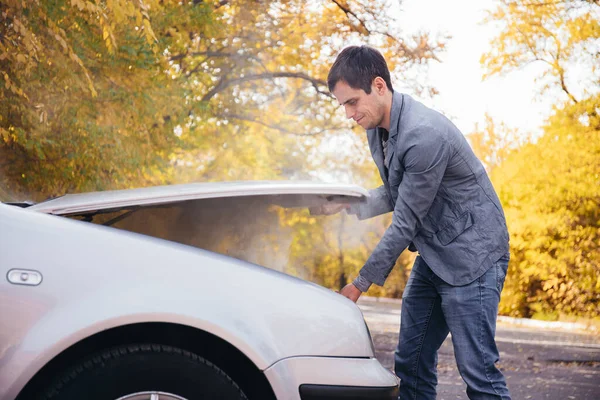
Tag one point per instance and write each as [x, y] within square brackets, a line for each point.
[379, 85]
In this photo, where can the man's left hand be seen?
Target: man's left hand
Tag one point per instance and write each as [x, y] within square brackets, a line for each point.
[351, 292]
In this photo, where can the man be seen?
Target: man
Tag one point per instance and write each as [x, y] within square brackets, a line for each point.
[444, 207]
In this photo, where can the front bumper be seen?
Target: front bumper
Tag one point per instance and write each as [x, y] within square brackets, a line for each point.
[316, 378]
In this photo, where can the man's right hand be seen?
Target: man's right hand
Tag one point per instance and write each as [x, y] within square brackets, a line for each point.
[328, 209]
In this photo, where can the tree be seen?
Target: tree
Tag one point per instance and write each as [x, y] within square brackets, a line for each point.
[559, 34]
[111, 94]
[550, 188]
[493, 143]
[552, 199]
[85, 101]
[267, 81]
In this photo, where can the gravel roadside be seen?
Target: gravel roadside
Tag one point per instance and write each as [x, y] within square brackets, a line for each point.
[540, 360]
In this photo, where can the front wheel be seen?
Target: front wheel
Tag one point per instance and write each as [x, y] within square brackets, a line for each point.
[144, 372]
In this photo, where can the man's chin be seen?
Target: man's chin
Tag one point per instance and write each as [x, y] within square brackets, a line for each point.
[367, 126]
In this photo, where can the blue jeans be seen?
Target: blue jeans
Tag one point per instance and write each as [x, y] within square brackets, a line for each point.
[431, 309]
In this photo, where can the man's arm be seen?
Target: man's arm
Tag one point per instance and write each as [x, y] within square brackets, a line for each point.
[355, 289]
[328, 209]
[425, 165]
[377, 203]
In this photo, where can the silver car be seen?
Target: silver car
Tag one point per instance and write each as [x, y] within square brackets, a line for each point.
[157, 293]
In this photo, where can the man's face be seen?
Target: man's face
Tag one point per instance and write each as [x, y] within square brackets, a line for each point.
[367, 110]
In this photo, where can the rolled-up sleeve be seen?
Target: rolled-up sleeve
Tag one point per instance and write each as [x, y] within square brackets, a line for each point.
[425, 163]
[378, 202]
[362, 283]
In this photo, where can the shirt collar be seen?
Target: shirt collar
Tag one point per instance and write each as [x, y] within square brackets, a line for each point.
[397, 103]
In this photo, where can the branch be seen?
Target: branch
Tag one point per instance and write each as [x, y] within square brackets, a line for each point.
[553, 3]
[349, 12]
[554, 65]
[213, 54]
[223, 83]
[560, 69]
[340, 240]
[564, 86]
[367, 31]
[528, 43]
[221, 4]
[276, 127]
[367, 245]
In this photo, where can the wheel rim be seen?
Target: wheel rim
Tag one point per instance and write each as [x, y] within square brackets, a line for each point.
[151, 396]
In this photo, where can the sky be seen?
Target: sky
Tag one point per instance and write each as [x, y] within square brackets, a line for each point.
[513, 99]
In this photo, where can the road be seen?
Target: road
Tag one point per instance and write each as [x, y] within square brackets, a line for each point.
[539, 364]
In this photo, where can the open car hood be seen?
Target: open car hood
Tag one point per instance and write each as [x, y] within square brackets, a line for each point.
[283, 193]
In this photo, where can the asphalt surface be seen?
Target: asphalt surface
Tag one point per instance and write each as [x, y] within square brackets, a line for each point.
[539, 363]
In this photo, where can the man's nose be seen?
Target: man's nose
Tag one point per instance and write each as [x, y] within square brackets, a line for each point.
[349, 112]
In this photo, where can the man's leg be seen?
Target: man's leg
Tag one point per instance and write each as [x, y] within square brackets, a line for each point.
[471, 312]
[422, 332]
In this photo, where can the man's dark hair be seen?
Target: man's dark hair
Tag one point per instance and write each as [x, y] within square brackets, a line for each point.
[358, 66]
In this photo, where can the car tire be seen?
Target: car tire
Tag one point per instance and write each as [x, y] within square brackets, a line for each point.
[144, 371]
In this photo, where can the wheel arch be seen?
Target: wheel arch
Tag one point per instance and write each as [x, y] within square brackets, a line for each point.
[218, 351]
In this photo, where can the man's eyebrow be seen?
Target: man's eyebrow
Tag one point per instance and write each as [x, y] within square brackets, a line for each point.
[348, 101]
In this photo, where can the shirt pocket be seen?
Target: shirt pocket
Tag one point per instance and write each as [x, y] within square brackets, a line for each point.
[454, 228]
